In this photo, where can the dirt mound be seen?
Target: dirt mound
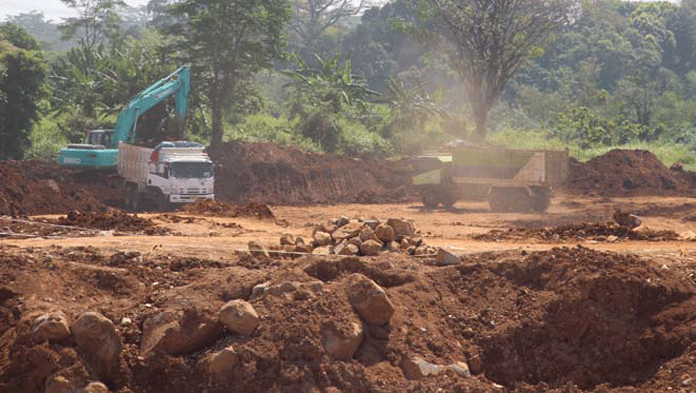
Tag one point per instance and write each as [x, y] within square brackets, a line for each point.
[628, 173]
[608, 231]
[112, 220]
[30, 188]
[222, 209]
[273, 174]
[563, 319]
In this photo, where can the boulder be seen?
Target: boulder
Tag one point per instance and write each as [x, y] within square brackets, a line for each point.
[221, 364]
[446, 257]
[352, 229]
[371, 247]
[417, 368]
[51, 326]
[341, 221]
[328, 227]
[345, 248]
[95, 387]
[239, 316]
[385, 233]
[323, 250]
[371, 222]
[341, 344]
[287, 239]
[257, 249]
[366, 233]
[369, 300]
[96, 336]
[58, 384]
[321, 238]
[179, 332]
[401, 227]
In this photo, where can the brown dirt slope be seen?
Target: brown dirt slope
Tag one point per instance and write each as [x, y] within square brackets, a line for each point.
[563, 320]
[272, 174]
[628, 173]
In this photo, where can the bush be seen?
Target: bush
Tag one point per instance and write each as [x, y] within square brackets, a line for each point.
[46, 139]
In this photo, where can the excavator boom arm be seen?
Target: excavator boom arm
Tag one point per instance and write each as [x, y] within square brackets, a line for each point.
[177, 83]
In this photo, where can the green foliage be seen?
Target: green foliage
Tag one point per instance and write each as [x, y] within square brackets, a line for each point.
[22, 75]
[46, 139]
[265, 128]
[226, 42]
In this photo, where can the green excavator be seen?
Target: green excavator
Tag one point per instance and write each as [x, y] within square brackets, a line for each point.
[101, 148]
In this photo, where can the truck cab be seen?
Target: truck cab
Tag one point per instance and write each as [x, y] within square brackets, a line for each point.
[171, 173]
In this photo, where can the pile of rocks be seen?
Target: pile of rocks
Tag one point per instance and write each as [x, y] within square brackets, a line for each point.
[346, 236]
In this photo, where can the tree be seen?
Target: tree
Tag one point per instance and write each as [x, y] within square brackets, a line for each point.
[22, 75]
[226, 42]
[97, 20]
[313, 17]
[488, 40]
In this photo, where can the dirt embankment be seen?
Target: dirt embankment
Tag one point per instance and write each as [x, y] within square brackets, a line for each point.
[629, 173]
[275, 175]
[564, 320]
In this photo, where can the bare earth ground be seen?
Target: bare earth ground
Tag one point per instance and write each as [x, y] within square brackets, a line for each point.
[564, 301]
[526, 314]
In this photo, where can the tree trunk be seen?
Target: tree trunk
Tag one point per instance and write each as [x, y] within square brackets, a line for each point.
[216, 132]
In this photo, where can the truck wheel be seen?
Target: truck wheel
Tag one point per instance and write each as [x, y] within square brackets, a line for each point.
[447, 198]
[430, 198]
[541, 201]
[163, 204]
[497, 200]
[128, 197]
[520, 201]
[137, 198]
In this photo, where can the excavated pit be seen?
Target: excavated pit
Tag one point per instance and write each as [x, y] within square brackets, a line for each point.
[610, 320]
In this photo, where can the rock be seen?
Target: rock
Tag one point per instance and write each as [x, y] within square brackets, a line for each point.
[460, 368]
[369, 300]
[626, 220]
[341, 221]
[321, 238]
[323, 250]
[51, 326]
[411, 250]
[393, 247]
[287, 239]
[342, 345]
[421, 250]
[371, 247]
[446, 257]
[95, 387]
[355, 241]
[239, 316]
[345, 248]
[299, 241]
[222, 363]
[58, 384]
[417, 368]
[259, 290]
[366, 233]
[385, 233]
[352, 229]
[257, 249]
[179, 333]
[96, 336]
[328, 227]
[372, 223]
[401, 227]
[475, 364]
[284, 288]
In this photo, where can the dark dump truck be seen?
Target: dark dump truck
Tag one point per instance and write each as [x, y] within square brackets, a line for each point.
[512, 179]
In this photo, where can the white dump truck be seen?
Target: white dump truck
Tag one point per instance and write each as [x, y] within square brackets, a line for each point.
[171, 173]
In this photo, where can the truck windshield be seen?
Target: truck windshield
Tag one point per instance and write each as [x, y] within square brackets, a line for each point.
[191, 169]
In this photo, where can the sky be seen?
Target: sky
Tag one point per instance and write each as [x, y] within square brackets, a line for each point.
[52, 9]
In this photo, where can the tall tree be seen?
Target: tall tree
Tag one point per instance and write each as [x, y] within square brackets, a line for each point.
[96, 21]
[312, 17]
[487, 40]
[22, 75]
[226, 42]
